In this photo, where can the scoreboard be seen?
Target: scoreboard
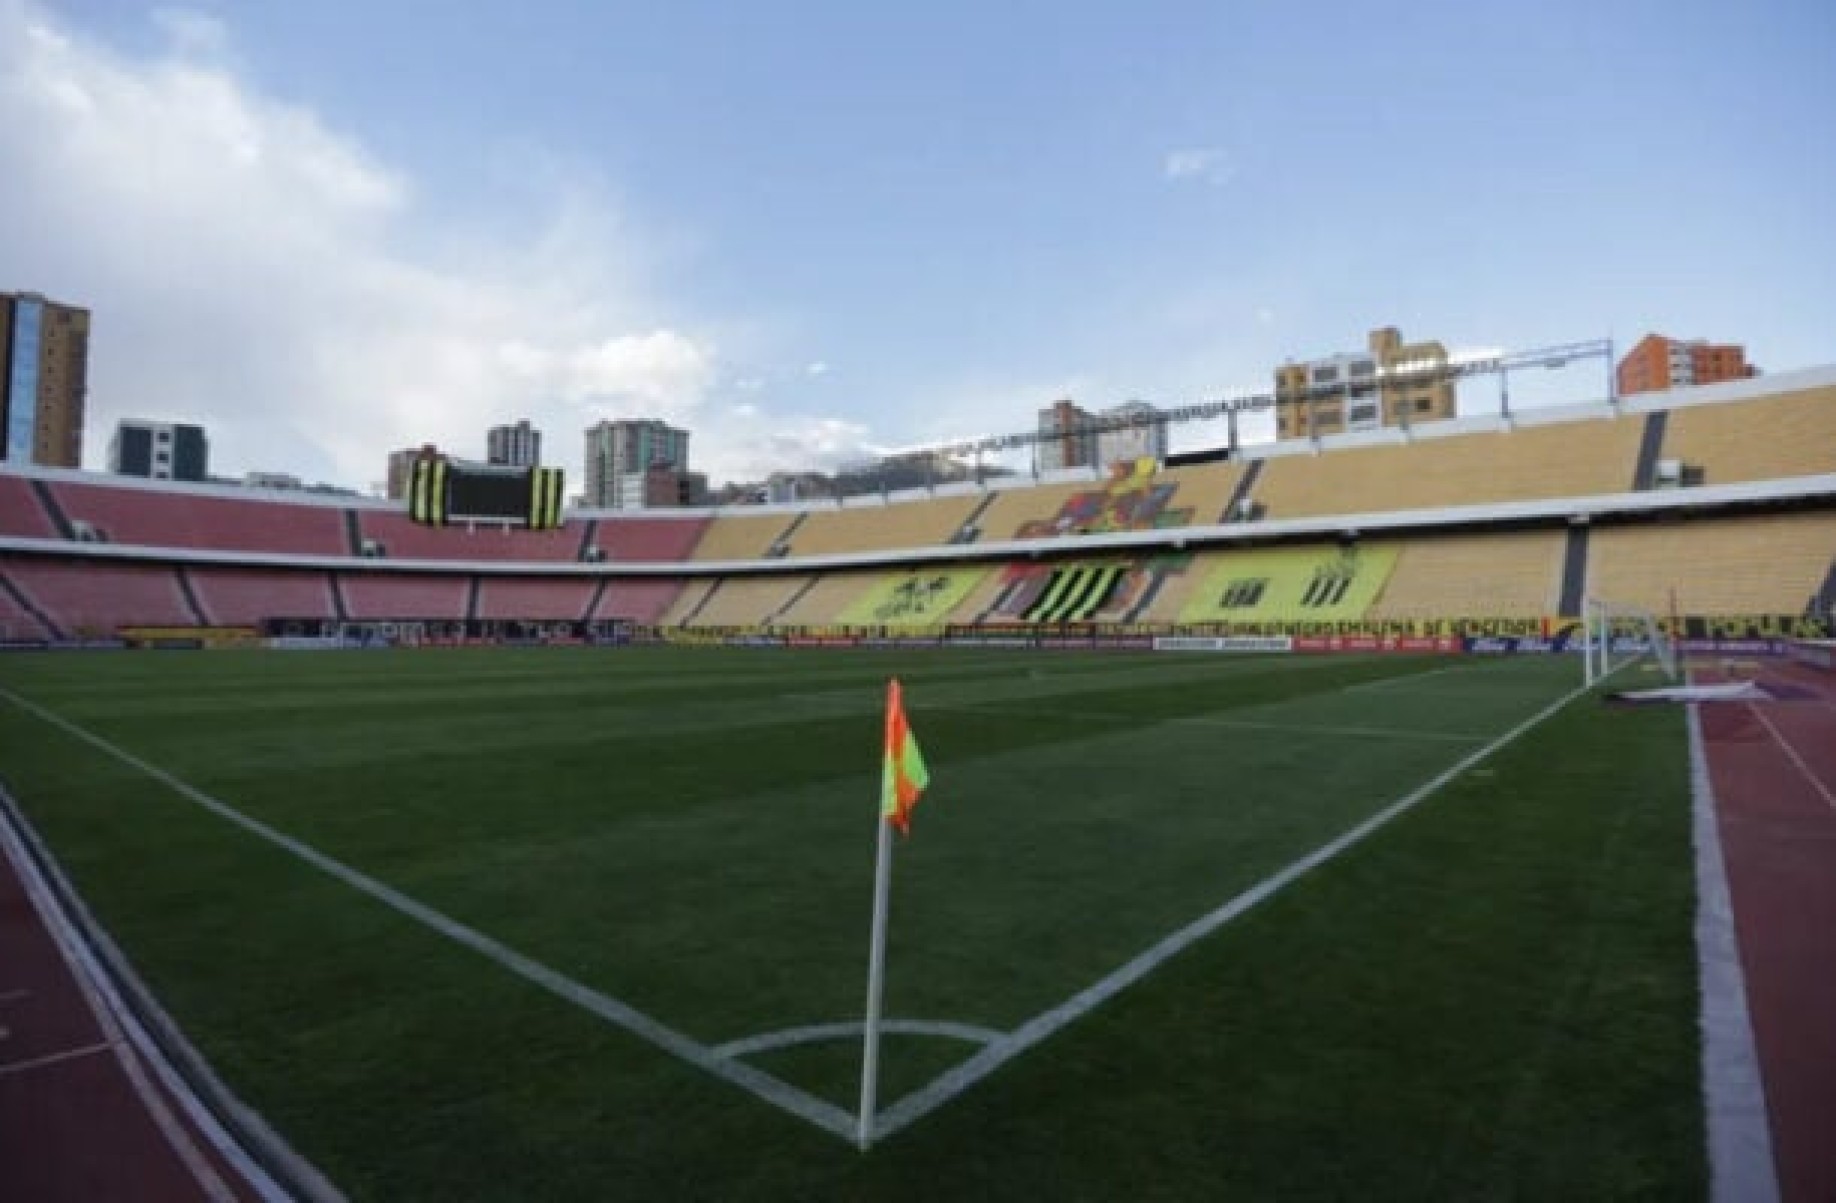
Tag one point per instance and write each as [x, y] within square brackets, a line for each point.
[443, 490]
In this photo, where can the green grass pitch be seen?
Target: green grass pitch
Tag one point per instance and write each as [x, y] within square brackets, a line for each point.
[1492, 996]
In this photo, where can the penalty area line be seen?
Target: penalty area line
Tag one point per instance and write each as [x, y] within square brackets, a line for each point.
[954, 1081]
[780, 1094]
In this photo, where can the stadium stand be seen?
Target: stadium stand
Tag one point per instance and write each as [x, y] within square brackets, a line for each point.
[1788, 434]
[742, 536]
[1516, 575]
[640, 600]
[1557, 459]
[404, 539]
[246, 596]
[685, 604]
[1015, 508]
[535, 597]
[746, 601]
[20, 512]
[1205, 489]
[1764, 564]
[18, 623]
[649, 540]
[152, 517]
[404, 595]
[822, 604]
[875, 527]
[93, 598]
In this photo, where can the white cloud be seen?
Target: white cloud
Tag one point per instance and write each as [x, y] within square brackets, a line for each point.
[818, 368]
[1203, 163]
[254, 269]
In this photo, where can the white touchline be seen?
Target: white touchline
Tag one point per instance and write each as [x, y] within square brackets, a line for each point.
[954, 1081]
[850, 1029]
[779, 1093]
[1796, 760]
[1733, 1093]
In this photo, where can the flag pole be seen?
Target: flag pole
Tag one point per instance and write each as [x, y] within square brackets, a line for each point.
[876, 982]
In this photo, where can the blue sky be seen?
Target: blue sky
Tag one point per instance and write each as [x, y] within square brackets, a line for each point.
[809, 230]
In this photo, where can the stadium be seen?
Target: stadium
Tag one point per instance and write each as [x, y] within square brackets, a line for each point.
[1276, 843]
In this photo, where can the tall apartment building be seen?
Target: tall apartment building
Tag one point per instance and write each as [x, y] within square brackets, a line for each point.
[519, 446]
[159, 450]
[1144, 437]
[44, 379]
[1383, 385]
[620, 455]
[1065, 440]
[1658, 363]
[401, 468]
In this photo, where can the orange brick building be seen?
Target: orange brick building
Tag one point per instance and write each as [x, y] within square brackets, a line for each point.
[1659, 363]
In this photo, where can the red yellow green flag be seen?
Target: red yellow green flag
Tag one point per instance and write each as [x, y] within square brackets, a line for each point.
[904, 776]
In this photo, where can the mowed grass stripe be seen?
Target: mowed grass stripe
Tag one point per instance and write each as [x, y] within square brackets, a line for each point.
[665, 903]
[484, 1092]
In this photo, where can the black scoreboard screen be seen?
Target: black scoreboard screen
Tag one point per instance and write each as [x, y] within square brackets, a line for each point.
[443, 490]
[502, 495]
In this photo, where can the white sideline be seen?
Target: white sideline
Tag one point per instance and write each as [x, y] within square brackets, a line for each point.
[1733, 1094]
[851, 1029]
[954, 1081]
[779, 1093]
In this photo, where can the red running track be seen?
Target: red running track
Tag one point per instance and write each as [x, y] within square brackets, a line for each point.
[1773, 767]
[84, 1118]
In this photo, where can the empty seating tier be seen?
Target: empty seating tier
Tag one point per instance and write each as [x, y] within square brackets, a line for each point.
[742, 536]
[1565, 459]
[875, 526]
[747, 601]
[1763, 565]
[404, 595]
[1475, 576]
[20, 512]
[93, 598]
[642, 600]
[1791, 434]
[246, 596]
[404, 539]
[534, 597]
[155, 517]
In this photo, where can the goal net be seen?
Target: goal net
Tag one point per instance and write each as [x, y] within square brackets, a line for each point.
[1616, 635]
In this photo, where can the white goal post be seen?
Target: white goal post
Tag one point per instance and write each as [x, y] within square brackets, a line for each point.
[1613, 635]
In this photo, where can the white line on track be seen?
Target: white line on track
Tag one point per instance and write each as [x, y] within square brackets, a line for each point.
[1733, 1093]
[954, 1081]
[57, 1058]
[1792, 754]
[779, 1093]
[851, 1029]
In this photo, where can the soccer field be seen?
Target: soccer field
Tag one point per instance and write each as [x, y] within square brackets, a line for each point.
[583, 923]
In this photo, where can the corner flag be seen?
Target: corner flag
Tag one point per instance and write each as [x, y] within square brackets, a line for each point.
[904, 776]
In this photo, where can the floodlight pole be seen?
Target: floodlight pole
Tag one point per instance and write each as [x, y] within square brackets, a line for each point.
[876, 985]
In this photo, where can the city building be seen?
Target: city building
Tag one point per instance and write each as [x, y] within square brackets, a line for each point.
[1065, 437]
[1658, 363]
[159, 451]
[44, 379]
[1391, 383]
[519, 446]
[1134, 430]
[401, 468]
[620, 455]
